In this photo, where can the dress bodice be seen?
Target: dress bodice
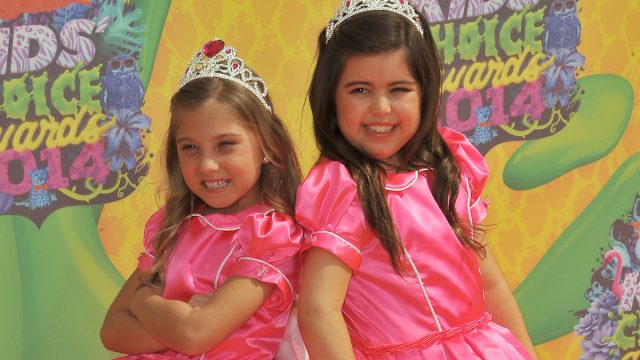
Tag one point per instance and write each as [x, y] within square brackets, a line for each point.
[440, 289]
[256, 243]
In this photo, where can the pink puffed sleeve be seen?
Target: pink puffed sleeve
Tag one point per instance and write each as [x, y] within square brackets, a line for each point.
[474, 172]
[328, 208]
[269, 245]
[147, 257]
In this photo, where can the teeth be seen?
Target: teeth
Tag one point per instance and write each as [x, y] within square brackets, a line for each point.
[215, 184]
[380, 129]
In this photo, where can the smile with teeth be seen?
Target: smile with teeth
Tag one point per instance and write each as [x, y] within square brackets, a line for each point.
[214, 185]
[379, 129]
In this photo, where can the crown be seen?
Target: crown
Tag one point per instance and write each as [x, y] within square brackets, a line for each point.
[349, 8]
[218, 60]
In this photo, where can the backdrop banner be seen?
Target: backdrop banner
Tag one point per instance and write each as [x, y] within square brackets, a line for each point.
[545, 89]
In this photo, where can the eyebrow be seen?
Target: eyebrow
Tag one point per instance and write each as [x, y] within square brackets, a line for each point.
[394, 83]
[221, 136]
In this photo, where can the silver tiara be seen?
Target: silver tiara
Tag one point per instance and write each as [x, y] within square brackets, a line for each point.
[218, 60]
[349, 8]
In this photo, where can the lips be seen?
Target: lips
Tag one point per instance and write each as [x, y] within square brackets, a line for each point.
[215, 185]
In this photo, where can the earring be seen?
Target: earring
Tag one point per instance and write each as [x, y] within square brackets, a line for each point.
[265, 159]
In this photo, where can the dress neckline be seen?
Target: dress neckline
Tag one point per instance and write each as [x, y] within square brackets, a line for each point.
[402, 180]
[230, 222]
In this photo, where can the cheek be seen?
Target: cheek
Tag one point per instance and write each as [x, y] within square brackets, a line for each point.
[185, 166]
[344, 108]
[348, 118]
[411, 112]
[259, 154]
[344, 127]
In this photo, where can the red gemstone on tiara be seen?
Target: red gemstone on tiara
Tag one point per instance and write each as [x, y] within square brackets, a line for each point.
[212, 48]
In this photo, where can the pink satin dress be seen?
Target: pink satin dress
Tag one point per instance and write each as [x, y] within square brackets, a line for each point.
[256, 243]
[436, 311]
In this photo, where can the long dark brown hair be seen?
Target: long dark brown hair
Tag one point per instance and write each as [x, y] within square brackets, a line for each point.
[278, 180]
[375, 32]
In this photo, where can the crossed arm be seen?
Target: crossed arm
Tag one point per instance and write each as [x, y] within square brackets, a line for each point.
[142, 321]
[121, 330]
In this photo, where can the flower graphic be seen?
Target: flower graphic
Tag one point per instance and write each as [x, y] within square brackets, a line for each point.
[598, 326]
[123, 141]
[560, 77]
[599, 346]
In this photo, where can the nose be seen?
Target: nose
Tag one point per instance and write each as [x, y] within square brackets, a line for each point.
[381, 105]
[209, 164]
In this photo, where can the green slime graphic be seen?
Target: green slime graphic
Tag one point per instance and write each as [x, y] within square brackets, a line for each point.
[596, 128]
[68, 282]
[57, 280]
[11, 311]
[555, 287]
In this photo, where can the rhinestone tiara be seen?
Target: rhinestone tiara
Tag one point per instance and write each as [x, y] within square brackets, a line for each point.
[218, 60]
[349, 8]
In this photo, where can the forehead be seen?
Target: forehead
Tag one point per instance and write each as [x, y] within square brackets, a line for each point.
[212, 118]
[388, 64]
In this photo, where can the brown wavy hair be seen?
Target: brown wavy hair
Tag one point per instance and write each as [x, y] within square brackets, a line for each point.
[376, 32]
[281, 176]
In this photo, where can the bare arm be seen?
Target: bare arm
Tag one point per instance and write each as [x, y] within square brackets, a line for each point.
[121, 330]
[325, 280]
[195, 330]
[500, 302]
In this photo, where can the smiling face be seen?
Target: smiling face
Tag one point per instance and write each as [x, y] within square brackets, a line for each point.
[378, 104]
[220, 157]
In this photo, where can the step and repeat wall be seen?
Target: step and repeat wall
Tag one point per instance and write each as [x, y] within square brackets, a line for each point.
[545, 89]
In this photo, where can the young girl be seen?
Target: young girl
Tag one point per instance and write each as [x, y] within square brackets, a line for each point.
[396, 267]
[220, 267]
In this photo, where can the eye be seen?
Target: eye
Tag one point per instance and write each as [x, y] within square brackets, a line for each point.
[226, 144]
[400, 89]
[188, 147]
[359, 90]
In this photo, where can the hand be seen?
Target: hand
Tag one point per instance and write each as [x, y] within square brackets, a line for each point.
[200, 300]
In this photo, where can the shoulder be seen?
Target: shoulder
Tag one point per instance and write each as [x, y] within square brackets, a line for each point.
[268, 233]
[471, 162]
[324, 176]
[151, 229]
[155, 221]
[262, 222]
[327, 191]
[474, 173]
[158, 215]
[328, 170]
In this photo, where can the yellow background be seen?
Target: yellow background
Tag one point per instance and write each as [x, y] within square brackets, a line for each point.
[278, 39]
